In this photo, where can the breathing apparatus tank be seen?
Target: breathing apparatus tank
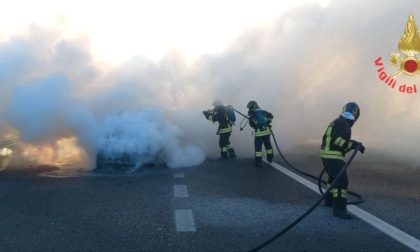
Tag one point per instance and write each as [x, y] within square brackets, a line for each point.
[231, 114]
[262, 123]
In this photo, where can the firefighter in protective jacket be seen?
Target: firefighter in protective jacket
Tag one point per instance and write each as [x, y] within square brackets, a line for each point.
[335, 143]
[220, 115]
[260, 120]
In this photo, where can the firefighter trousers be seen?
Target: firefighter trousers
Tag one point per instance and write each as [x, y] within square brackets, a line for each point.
[226, 149]
[258, 142]
[337, 198]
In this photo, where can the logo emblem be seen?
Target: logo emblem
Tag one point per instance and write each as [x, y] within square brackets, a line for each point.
[409, 45]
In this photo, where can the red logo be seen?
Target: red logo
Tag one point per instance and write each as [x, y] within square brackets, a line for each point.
[409, 45]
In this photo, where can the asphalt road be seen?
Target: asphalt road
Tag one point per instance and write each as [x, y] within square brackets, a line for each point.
[217, 206]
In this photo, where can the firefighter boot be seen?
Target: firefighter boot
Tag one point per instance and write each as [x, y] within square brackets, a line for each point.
[232, 153]
[270, 155]
[340, 204]
[328, 200]
[258, 161]
[223, 156]
[270, 158]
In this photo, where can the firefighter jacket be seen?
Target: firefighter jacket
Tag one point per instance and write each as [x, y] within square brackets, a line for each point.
[336, 140]
[220, 115]
[260, 130]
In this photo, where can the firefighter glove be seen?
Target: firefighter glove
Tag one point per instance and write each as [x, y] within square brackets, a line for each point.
[358, 145]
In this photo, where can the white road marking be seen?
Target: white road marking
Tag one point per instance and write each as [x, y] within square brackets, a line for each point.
[179, 174]
[180, 191]
[184, 221]
[388, 229]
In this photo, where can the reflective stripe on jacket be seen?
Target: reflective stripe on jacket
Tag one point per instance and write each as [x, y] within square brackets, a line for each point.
[220, 115]
[336, 140]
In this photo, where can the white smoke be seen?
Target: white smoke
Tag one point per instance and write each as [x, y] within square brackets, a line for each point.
[146, 133]
[45, 112]
[303, 68]
[312, 61]
[57, 92]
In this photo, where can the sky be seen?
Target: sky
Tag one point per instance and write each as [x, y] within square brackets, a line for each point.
[117, 30]
[78, 78]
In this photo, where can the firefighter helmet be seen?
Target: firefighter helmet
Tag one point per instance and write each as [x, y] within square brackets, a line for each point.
[252, 105]
[351, 111]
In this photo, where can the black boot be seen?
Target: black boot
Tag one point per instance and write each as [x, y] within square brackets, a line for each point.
[328, 200]
[340, 205]
[270, 158]
[232, 153]
[343, 215]
[223, 156]
[258, 161]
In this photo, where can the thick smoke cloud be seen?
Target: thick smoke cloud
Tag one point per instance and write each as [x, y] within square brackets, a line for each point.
[57, 92]
[312, 61]
[303, 68]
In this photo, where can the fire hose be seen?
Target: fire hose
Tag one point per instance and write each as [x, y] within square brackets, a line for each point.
[295, 222]
[291, 225]
[319, 178]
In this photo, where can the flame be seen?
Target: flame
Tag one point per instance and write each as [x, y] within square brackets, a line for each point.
[38, 154]
[5, 152]
[69, 155]
[410, 41]
[64, 154]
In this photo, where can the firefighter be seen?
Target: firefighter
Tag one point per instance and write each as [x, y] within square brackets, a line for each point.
[336, 142]
[220, 115]
[260, 120]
